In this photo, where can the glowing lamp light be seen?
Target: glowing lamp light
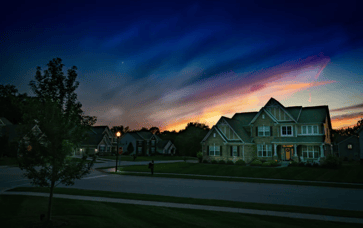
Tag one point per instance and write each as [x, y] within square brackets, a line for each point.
[118, 134]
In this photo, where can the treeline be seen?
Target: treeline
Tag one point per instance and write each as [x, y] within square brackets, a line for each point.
[187, 141]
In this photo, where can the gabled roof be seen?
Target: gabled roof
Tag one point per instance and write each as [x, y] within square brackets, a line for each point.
[216, 129]
[14, 132]
[342, 138]
[162, 143]
[135, 135]
[294, 111]
[360, 129]
[96, 134]
[238, 128]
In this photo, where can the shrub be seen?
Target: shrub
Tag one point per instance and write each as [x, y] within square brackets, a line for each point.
[332, 162]
[266, 164]
[308, 164]
[256, 163]
[293, 164]
[275, 163]
[221, 162]
[301, 164]
[206, 161]
[230, 162]
[200, 157]
[240, 162]
[214, 161]
[316, 165]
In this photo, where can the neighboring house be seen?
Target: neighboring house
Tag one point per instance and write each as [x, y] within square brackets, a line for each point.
[146, 143]
[100, 140]
[11, 135]
[360, 133]
[274, 132]
[347, 147]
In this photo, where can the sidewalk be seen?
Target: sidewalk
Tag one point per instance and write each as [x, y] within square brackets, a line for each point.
[198, 207]
[112, 170]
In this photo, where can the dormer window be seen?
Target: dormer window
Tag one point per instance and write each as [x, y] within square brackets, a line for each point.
[214, 135]
[263, 116]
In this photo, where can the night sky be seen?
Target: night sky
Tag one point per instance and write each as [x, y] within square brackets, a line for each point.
[164, 64]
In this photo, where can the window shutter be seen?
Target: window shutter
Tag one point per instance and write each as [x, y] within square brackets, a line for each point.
[271, 131]
[238, 151]
[220, 151]
[207, 150]
[231, 151]
[256, 131]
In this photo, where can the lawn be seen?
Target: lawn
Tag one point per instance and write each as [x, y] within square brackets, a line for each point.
[183, 200]
[348, 173]
[24, 211]
[148, 158]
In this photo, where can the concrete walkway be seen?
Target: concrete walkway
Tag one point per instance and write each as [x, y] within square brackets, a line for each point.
[198, 207]
[112, 170]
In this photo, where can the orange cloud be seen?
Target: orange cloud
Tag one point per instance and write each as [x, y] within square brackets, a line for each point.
[346, 120]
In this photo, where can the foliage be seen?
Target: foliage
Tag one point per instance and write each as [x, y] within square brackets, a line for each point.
[123, 130]
[240, 162]
[266, 164]
[293, 164]
[213, 161]
[10, 102]
[230, 162]
[332, 162]
[222, 162]
[55, 125]
[200, 157]
[347, 131]
[256, 163]
[205, 161]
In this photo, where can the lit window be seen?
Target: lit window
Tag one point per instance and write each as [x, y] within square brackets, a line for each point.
[350, 146]
[263, 116]
[214, 135]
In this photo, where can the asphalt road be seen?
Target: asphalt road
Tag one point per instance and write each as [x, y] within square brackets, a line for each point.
[321, 197]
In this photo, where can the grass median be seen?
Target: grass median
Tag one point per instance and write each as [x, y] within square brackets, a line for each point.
[24, 211]
[210, 202]
[348, 173]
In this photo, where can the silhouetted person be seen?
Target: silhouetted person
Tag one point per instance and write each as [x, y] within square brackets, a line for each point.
[151, 167]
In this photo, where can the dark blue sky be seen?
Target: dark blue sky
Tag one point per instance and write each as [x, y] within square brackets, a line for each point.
[152, 63]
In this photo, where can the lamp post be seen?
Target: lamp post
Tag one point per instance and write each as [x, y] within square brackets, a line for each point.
[118, 134]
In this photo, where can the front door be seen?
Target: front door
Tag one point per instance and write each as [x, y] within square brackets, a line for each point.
[288, 153]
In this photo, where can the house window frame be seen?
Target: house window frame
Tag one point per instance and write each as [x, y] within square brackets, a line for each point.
[310, 150]
[287, 135]
[265, 149]
[265, 129]
[212, 148]
[234, 151]
[350, 146]
[153, 142]
[312, 130]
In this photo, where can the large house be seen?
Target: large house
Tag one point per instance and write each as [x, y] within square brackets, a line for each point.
[360, 133]
[146, 143]
[274, 132]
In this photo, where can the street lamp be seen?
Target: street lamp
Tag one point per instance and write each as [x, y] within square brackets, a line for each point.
[118, 134]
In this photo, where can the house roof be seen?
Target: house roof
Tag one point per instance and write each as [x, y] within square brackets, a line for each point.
[237, 126]
[95, 135]
[244, 117]
[315, 114]
[360, 129]
[4, 121]
[342, 138]
[294, 111]
[162, 143]
[14, 132]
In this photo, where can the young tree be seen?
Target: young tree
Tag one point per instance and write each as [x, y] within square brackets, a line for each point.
[55, 111]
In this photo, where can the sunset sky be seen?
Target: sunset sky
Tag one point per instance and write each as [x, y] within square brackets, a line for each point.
[164, 64]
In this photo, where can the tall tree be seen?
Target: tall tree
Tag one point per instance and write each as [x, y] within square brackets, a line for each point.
[61, 124]
[121, 129]
[10, 102]
[155, 130]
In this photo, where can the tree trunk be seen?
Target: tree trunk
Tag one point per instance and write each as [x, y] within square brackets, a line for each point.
[50, 201]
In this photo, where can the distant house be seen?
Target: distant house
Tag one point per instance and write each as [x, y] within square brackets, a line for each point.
[100, 140]
[146, 143]
[275, 132]
[347, 147]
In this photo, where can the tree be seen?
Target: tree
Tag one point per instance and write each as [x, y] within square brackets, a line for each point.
[62, 126]
[121, 129]
[347, 131]
[155, 130]
[130, 148]
[10, 102]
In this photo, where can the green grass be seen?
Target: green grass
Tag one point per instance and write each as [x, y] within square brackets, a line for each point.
[210, 202]
[8, 161]
[348, 173]
[148, 158]
[24, 211]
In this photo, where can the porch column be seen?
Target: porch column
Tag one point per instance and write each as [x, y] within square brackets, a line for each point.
[321, 150]
[275, 150]
[295, 150]
[243, 152]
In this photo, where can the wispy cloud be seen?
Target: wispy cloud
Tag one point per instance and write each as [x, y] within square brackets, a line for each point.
[352, 107]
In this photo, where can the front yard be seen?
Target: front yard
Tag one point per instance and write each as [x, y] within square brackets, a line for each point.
[148, 158]
[351, 173]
